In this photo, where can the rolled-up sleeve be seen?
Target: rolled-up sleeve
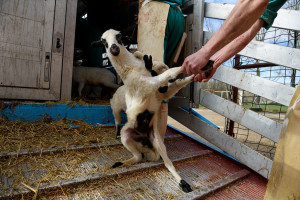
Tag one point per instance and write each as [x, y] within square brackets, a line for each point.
[270, 13]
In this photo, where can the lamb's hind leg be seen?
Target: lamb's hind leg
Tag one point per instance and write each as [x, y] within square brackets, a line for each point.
[131, 145]
[161, 148]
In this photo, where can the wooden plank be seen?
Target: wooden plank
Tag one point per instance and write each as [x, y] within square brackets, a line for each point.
[262, 87]
[57, 53]
[47, 43]
[215, 186]
[66, 84]
[286, 19]
[250, 119]
[280, 55]
[23, 39]
[26, 93]
[241, 152]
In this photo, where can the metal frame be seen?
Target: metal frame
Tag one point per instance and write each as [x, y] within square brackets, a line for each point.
[271, 53]
[241, 152]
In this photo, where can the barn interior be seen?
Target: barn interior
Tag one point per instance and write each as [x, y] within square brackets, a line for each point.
[94, 18]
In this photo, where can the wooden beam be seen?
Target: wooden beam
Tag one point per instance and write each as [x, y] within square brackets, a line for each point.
[67, 71]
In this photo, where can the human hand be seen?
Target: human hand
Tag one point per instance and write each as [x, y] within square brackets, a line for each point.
[205, 77]
[195, 62]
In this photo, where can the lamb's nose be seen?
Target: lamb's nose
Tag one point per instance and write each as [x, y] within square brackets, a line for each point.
[114, 50]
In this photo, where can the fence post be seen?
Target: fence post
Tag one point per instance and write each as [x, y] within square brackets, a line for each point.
[235, 95]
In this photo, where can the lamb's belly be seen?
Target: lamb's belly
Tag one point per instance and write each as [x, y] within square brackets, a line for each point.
[147, 103]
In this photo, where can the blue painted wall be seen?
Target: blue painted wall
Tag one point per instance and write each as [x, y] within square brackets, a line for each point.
[94, 114]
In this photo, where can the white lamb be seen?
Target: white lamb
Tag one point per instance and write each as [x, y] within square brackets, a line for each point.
[117, 102]
[93, 76]
[140, 135]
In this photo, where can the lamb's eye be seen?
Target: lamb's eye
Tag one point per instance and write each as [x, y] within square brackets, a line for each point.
[104, 42]
[119, 38]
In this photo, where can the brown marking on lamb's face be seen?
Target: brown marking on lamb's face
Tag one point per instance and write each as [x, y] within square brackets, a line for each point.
[114, 50]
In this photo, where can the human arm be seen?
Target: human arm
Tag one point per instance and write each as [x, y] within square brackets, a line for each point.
[236, 24]
[233, 48]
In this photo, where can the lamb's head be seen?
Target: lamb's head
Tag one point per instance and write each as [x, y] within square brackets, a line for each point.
[112, 40]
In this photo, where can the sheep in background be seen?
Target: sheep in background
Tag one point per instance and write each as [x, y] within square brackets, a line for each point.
[141, 135]
[93, 76]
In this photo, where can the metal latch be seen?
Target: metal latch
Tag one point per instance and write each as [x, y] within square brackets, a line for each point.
[58, 44]
[47, 67]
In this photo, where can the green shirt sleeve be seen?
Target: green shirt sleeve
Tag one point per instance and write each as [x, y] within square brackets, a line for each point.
[270, 13]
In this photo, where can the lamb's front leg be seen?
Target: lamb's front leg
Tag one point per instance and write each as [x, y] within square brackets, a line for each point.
[161, 148]
[164, 78]
[174, 87]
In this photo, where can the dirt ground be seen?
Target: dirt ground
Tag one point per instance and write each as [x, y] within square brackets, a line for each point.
[248, 137]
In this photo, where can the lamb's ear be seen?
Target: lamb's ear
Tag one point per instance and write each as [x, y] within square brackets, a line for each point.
[99, 43]
[128, 40]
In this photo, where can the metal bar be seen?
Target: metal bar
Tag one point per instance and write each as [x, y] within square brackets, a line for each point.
[258, 123]
[213, 187]
[197, 43]
[241, 152]
[262, 87]
[58, 149]
[179, 102]
[94, 176]
[234, 98]
[251, 66]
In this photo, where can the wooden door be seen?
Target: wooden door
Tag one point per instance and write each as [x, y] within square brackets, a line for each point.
[31, 43]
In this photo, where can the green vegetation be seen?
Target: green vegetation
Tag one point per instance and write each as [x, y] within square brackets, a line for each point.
[268, 108]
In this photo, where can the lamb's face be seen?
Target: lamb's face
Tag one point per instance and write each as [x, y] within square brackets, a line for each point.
[112, 40]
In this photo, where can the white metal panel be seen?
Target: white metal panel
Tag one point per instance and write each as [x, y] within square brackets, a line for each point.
[250, 119]
[280, 55]
[262, 87]
[244, 154]
[286, 19]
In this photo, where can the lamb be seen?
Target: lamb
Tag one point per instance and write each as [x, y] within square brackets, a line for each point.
[117, 102]
[93, 76]
[140, 135]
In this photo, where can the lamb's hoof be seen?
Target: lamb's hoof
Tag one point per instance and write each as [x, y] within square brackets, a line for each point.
[163, 89]
[185, 186]
[148, 62]
[153, 73]
[117, 164]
